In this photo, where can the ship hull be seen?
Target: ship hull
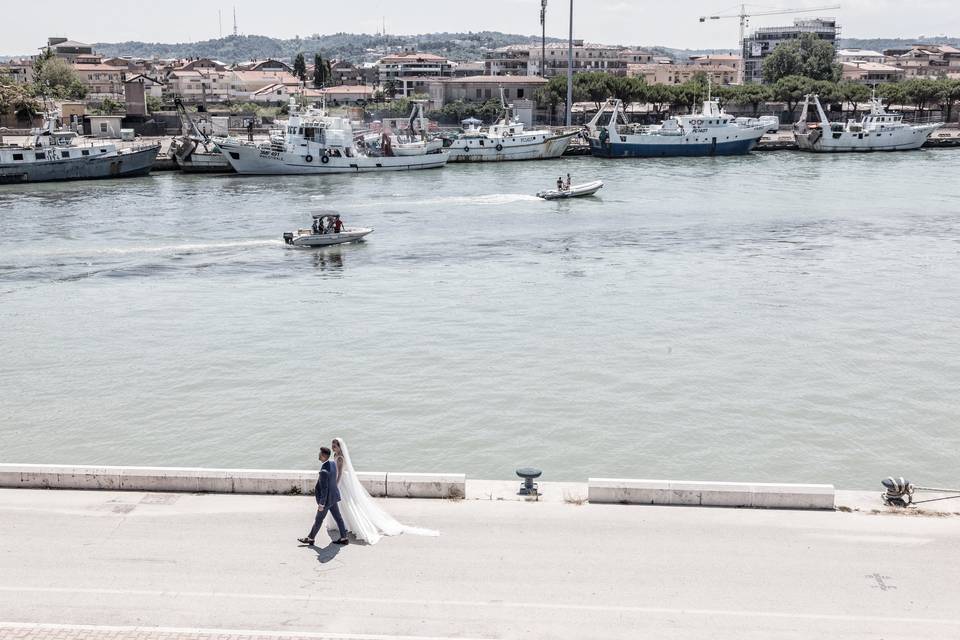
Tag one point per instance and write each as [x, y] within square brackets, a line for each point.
[469, 150]
[665, 147]
[865, 142]
[123, 165]
[251, 160]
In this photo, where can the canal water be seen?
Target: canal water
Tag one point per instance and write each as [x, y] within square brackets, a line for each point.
[775, 317]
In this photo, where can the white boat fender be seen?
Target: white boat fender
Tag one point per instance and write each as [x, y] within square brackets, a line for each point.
[499, 147]
[308, 158]
[324, 159]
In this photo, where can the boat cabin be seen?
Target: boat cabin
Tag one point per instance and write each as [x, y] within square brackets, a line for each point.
[326, 222]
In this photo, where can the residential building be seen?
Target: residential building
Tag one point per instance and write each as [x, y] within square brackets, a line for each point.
[481, 89]
[19, 71]
[716, 61]
[586, 57]
[512, 60]
[413, 64]
[101, 80]
[870, 73]
[632, 56]
[470, 68]
[72, 51]
[925, 61]
[206, 85]
[761, 43]
[343, 72]
[137, 89]
[679, 73]
[243, 83]
[264, 65]
[859, 55]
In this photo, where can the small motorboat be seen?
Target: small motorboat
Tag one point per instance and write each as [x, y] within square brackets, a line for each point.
[574, 191]
[327, 230]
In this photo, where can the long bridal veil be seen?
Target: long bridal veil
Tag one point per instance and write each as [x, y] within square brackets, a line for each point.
[361, 514]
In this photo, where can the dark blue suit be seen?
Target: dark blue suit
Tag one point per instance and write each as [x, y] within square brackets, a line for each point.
[328, 495]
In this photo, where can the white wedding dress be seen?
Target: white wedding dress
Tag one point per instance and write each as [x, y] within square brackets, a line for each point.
[361, 515]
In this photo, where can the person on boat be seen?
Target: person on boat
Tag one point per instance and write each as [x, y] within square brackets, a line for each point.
[560, 183]
[567, 186]
[337, 225]
[316, 226]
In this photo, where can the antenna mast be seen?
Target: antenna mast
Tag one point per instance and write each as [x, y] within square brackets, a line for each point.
[234, 21]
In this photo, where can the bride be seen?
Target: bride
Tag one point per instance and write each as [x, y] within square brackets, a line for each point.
[363, 517]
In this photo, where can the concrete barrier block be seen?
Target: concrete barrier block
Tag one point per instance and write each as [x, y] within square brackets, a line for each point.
[794, 496]
[215, 480]
[172, 479]
[85, 477]
[375, 482]
[711, 494]
[272, 482]
[426, 485]
[626, 491]
[11, 475]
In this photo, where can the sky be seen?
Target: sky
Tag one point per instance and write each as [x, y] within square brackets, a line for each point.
[627, 22]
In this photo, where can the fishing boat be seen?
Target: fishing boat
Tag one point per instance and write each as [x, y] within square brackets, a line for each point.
[194, 151]
[711, 132]
[506, 139]
[327, 230]
[315, 143]
[573, 191]
[878, 130]
[56, 154]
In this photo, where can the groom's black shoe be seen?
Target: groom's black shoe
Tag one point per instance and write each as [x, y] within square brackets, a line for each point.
[341, 541]
[306, 541]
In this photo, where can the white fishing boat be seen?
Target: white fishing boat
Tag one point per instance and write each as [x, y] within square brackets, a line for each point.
[507, 139]
[327, 230]
[712, 132]
[878, 130]
[573, 191]
[316, 143]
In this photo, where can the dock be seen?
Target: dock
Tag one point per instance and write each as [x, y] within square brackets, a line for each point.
[102, 565]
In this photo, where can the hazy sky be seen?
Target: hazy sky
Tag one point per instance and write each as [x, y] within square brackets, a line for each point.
[633, 22]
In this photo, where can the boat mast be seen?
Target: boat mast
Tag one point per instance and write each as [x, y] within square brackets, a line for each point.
[570, 70]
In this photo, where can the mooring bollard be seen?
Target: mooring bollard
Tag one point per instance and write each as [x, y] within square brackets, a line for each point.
[529, 487]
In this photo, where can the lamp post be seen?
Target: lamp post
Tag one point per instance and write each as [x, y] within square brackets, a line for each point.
[543, 38]
[570, 71]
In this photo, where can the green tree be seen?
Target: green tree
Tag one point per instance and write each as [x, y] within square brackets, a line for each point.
[545, 97]
[110, 106]
[807, 56]
[17, 99]
[154, 104]
[390, 89]
[321, 71]
[595, 85]
[921, 92]
[626, 89]
[56, 78]
[300, 67]
[948, 95]
[852, 93]
[893, 94]
[659, 96]
[791, 90]
[751, 94]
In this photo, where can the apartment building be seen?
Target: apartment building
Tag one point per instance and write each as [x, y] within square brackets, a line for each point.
[761, 43]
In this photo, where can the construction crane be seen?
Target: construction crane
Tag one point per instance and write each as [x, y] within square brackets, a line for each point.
[745, 17]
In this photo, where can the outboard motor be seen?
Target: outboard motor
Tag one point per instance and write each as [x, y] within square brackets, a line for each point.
[288, 238]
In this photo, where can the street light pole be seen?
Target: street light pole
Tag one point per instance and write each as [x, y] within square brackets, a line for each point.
[570, 71]
[543, 38]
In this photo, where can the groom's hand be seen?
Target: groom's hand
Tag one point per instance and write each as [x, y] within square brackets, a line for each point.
[319, 507]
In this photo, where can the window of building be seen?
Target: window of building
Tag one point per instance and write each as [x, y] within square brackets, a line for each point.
[519, 93]
[479, 93]
[488, 93]
[103, 127]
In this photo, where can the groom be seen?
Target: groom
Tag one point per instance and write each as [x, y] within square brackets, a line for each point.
[327, 496]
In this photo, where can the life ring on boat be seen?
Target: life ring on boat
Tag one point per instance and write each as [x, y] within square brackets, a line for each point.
[499, 147]
[466, 147]
[324, 159]
[308, 158]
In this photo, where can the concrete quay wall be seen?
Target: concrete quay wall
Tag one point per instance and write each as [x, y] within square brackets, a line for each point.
[195, 480]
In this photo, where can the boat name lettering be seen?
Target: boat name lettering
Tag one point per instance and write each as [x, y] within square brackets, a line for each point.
[275, 155]
[530, 139]
[700, 130]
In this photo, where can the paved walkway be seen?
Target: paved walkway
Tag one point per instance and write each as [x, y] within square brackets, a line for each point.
[159, 566]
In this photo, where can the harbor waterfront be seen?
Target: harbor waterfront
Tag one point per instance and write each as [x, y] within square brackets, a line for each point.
[750, 318]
